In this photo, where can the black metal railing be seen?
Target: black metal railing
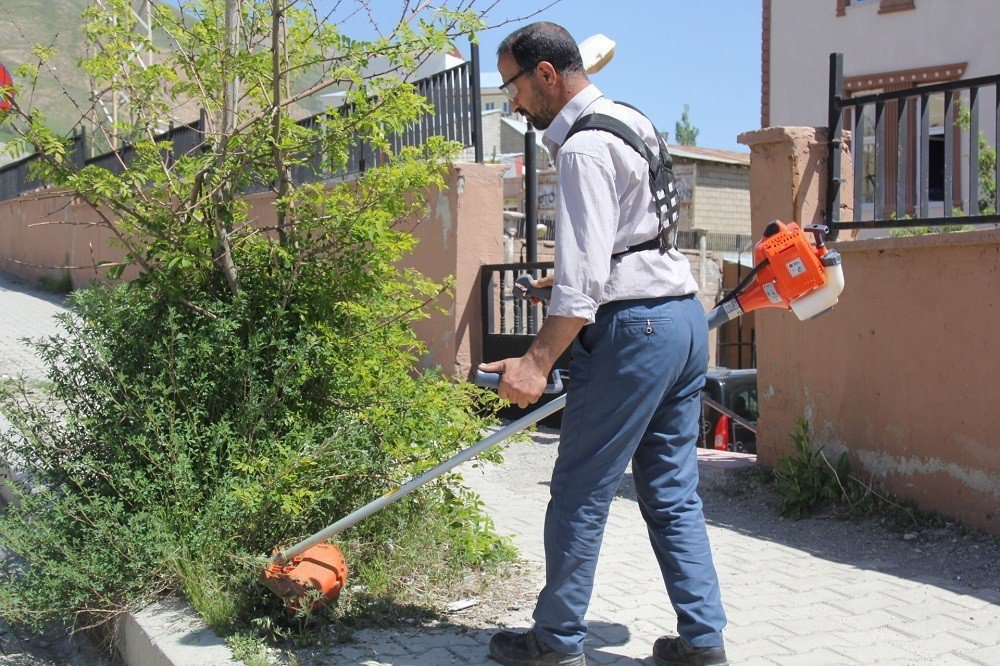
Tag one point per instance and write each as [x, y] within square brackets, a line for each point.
[454, 95]
[893, 171]
[504, 311]
[715, 241]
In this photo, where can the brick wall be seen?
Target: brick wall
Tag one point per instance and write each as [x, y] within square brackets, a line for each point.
[721, 198]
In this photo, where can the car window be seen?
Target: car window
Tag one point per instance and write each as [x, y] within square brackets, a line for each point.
[744, 402]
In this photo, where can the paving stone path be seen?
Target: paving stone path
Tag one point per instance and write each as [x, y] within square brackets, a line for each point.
[816, 592]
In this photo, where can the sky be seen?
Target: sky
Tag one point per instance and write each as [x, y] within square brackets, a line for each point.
[704, 53]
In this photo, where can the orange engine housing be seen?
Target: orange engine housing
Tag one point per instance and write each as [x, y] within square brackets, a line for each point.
[793, 268]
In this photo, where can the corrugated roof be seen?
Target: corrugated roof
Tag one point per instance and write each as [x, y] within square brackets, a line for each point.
[710, 154]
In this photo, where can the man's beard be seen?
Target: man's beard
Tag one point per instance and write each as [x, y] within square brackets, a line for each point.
[542, 119]
[540, 122]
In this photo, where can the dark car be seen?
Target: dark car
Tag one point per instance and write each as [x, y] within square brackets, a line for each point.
[735, 390]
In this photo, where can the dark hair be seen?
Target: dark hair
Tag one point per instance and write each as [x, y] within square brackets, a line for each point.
[546, 41]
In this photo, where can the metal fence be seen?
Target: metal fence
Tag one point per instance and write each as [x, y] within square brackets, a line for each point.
[909, 147]
[715, 241]
[454, 95]
[504, 312]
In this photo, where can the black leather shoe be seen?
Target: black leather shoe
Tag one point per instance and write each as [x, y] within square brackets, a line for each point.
[672, 651]
[513, 649]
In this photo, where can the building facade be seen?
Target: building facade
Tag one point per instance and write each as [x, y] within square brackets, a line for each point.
[888, 45]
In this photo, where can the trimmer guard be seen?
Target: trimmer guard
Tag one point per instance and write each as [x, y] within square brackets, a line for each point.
[318, 574]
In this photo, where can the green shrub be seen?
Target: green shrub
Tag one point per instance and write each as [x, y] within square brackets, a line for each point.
[806, 479]
[173, 450]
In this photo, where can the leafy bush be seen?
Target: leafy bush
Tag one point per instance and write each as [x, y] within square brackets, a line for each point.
[174, 449]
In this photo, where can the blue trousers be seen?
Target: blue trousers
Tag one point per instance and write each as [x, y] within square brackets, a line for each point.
[634, 395]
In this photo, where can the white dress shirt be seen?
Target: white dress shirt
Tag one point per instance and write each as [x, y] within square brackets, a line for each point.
[603, 205]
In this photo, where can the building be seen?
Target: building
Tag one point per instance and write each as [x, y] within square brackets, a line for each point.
[714, 188]
[493, 99]
[887, 45]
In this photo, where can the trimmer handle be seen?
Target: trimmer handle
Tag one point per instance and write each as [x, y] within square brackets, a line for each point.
[523, 282]
[492, 380]
[820, 232]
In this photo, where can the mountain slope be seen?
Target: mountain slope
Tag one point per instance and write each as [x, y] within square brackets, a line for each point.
[25, 23]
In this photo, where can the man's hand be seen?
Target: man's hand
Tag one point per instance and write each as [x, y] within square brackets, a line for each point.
[521, 380]
[546, 281]
[540, 283]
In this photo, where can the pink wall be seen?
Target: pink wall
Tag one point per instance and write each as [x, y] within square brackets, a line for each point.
[41, 233]
[49, 229]
[463, 231]
[903, 373]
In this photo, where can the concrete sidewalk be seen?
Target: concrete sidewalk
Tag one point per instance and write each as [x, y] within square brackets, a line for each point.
[816, 592]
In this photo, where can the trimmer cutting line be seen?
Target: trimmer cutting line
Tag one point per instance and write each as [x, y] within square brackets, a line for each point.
[789, 273]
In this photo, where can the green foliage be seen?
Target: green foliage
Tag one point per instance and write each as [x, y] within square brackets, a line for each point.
[685, 133]
[248, 648]
[804, 477]
[63, 284]
[809, 482]
[256, 380]
[922, 231]
[987, 163]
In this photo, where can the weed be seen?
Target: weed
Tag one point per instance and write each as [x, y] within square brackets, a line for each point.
[63, 284]
[248, 648]
[809, 482]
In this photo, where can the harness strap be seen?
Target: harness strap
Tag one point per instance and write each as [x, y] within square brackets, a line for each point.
[661, 181]
[651, 244]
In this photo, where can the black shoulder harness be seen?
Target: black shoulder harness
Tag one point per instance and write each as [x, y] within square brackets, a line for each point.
[661, 174]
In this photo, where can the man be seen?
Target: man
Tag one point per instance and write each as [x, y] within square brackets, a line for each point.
[640, 351]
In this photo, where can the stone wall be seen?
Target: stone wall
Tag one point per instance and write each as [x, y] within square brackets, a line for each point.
[722, 198]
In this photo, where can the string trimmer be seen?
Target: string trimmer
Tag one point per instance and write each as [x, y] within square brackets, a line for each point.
[788, 273]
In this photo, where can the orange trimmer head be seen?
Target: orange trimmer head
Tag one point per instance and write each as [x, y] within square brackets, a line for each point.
[315, 577]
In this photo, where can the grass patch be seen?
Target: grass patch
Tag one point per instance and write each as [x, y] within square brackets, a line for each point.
[61, 285]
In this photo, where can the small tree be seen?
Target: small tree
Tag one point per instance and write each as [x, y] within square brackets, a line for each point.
[253, 380]
[686, 133]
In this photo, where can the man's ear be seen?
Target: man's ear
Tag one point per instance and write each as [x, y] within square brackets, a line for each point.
[546, 71]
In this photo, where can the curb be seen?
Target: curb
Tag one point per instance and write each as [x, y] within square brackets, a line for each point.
[169, 633]
[722, 470]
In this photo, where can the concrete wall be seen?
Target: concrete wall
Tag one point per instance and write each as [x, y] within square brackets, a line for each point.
[902, 374]
[48, 229]
[39, 233]
[463, 232]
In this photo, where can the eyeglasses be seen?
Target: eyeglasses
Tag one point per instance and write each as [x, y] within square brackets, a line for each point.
[508, 88]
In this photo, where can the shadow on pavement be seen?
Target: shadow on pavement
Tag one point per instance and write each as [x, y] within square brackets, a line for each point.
[963, 563]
